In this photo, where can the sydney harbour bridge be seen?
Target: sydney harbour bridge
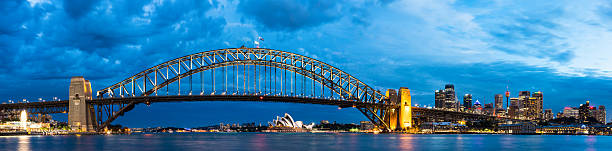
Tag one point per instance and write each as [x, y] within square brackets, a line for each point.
[238, 74]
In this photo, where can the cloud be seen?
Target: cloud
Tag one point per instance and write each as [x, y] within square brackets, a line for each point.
[104, 41]
[559, 48]
[291, 15]
[78, 8]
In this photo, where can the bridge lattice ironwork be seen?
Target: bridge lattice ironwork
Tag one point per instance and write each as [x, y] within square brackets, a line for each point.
[241, 74]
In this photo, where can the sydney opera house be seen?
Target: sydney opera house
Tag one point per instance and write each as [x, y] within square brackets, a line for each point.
[287, 121]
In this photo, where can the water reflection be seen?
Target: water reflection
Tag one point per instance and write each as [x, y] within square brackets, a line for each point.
[24, 143]
[590, 141]
[259, 142]
[305, 141]
[406, 142]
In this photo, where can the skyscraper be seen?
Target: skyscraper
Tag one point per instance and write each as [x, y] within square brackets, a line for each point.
[524, 104]
[602, 114]
[446, 98]
[439, 100]
[539, 104]
[513, 110]
[467, 101]
[499, 101]
[499, 104]
[530, 107]
[584, 112]
[450, 101]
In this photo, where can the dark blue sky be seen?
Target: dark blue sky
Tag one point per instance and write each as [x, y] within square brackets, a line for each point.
[561, 48]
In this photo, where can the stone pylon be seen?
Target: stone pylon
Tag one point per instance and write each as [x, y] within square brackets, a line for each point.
[81, 116]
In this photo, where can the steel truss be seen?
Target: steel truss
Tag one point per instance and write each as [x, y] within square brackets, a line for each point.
[259, 78]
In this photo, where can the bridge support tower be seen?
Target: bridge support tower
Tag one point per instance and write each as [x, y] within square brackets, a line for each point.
[81, 115]
[399, 119]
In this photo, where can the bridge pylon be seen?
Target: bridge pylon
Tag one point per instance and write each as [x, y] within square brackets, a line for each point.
[81, 115]
[400, 118]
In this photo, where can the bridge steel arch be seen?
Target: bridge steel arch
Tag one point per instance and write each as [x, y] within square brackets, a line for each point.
[147, 86]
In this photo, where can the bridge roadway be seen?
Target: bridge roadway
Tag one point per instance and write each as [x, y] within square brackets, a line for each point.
[234, 70]
[61, 106]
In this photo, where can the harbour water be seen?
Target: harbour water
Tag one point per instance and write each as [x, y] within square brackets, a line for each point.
[304, 141]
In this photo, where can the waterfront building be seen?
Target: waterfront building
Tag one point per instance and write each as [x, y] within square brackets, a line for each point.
[366, 125]
[287, 121]
[548, 115]
[563, 129]
[520, 128]
[467, 102]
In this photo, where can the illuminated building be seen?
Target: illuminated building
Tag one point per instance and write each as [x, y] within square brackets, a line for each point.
[287, 121]
[499, 104]
[584, 112]
[602, 114]
[559, 115]
[539, 104]
[499, 101]
[530, 107]
[477, 107]
[513, 110]
[548, 115]
[570, 112]
[520, 128]
[23, 119]
[525, 104]
[366, 125]
[489, 108]
[446, 98]
[439, 100]
[467, 102]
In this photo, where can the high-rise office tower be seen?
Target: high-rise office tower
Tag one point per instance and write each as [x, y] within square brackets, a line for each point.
[499, 101]
[450, 101]
[584, 111]
[538, 104]
[467, 101]
[602, 114]
[439, 100]
[446, 98]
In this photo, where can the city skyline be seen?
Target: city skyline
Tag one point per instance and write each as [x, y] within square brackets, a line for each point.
[47, 42]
